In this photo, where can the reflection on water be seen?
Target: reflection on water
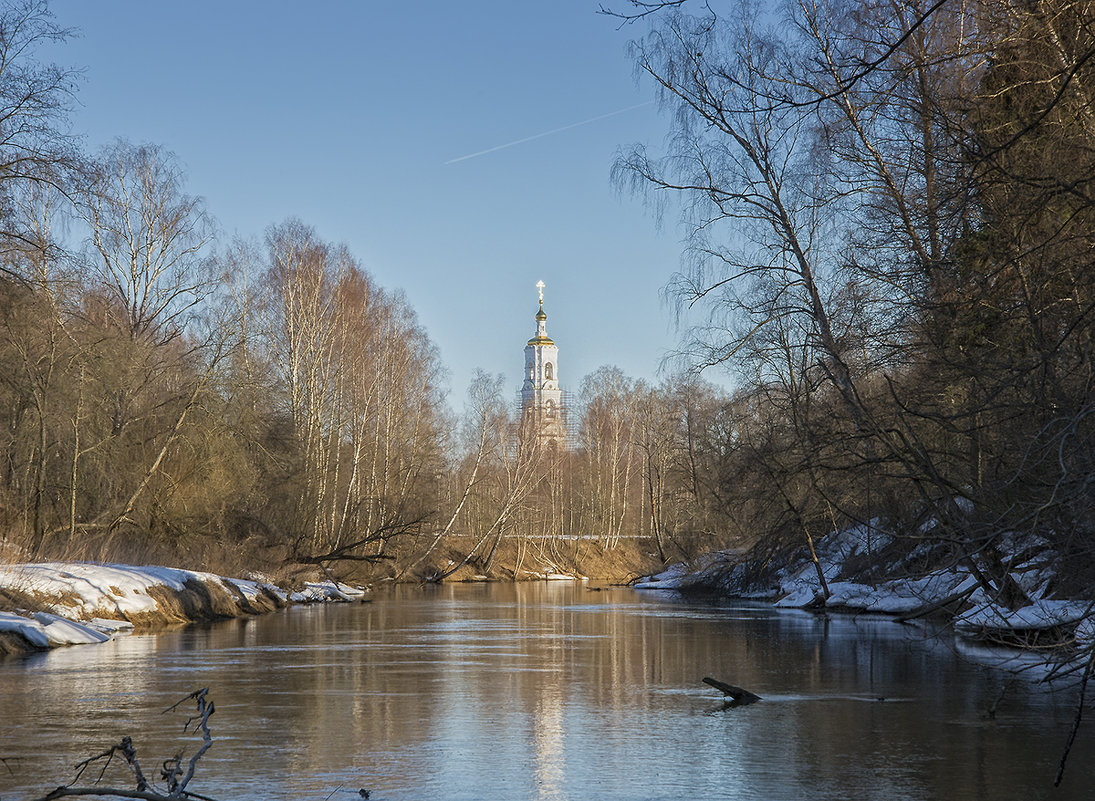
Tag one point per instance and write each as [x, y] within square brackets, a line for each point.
[547, 691]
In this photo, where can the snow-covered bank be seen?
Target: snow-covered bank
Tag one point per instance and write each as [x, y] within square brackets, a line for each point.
[866, 569]
[66, 603]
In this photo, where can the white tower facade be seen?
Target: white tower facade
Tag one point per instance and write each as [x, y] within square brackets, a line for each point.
[542, 409]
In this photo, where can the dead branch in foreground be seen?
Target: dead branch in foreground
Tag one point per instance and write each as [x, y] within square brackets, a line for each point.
[172, 773]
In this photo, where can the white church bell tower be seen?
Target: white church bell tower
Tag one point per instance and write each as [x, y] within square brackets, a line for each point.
[542, 409]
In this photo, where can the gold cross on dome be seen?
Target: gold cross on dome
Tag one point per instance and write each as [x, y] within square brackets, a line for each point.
[540, 286]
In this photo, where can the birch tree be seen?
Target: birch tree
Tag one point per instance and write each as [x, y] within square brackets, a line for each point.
[360, 383]
[609, 401]
[147, 239]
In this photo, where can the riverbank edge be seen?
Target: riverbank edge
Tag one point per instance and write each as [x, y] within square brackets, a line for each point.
[861, 570]
[57, 604]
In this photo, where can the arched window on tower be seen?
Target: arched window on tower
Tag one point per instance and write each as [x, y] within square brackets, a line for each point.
[549, 371]
[549, 410]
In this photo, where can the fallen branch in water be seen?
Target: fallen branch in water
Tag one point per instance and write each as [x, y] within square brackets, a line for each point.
[171, 772]
[738, 696]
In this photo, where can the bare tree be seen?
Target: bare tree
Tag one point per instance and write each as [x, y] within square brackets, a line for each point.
[35, 98]
[148, 239]
[609, 402]
[827, 170]
[482, 438]
[360, 383]
[39, 333]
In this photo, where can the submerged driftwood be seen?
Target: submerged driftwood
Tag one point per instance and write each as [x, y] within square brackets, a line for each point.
[738, 696]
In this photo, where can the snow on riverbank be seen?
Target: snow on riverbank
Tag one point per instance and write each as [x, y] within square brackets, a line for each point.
[66, 603]
[849, 560]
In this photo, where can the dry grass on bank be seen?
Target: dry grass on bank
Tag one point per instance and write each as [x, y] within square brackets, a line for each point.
[403, 559]
[528, 560]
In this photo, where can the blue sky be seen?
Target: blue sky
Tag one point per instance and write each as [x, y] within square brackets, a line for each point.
[356, 117]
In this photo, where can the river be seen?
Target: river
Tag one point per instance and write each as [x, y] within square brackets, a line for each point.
[547, 691]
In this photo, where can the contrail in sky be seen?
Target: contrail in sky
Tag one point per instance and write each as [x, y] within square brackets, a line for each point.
[548, 133]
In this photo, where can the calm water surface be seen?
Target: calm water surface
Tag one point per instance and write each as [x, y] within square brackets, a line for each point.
[547, 691]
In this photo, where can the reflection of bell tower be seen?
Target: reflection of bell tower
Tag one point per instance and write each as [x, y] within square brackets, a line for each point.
[541, 399]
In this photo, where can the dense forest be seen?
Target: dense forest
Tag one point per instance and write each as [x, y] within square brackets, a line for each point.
[890, 208]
